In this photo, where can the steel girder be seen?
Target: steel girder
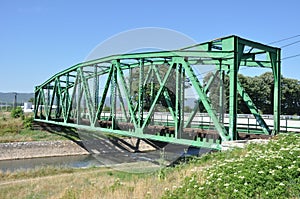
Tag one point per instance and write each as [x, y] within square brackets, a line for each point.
[74, 98]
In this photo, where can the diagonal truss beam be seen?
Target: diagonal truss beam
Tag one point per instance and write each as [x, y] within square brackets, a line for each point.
[253, 108]
[205, 101]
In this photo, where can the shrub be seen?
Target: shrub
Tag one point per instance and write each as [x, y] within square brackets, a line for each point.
[17, 112]
[28, 122]
[261, 171]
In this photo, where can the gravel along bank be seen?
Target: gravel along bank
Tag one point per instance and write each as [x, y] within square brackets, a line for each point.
[21, 150]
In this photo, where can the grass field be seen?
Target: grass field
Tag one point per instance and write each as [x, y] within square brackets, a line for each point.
[87, 183]
[15, 130]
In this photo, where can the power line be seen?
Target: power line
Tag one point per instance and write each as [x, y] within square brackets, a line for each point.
[288, 38]
[289, 57]
[290, 44]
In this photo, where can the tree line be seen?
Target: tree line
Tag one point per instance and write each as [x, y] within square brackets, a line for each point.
[260, 89]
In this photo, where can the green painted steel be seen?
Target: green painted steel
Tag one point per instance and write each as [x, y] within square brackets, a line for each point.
[125, 94]
[253, 108]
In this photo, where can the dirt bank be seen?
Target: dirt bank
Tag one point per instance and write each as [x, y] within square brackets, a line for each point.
[21, 150]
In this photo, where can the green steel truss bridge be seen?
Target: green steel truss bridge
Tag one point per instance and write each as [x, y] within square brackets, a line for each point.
[144, 95]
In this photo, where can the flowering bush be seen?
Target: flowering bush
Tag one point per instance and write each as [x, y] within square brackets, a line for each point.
[259, 171]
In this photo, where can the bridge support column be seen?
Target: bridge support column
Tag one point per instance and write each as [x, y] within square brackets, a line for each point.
[232, 44]
[275, 60]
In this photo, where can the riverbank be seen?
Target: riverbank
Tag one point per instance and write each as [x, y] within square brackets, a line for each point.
[36, 149]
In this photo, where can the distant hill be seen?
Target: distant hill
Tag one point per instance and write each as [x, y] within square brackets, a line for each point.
[9, 97]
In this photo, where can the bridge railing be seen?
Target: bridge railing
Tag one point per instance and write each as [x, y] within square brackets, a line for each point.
[245, 122]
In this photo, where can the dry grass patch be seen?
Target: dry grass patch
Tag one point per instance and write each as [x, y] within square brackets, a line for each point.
[95, 183]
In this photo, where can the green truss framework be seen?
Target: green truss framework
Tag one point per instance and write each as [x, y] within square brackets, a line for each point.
[73, 97]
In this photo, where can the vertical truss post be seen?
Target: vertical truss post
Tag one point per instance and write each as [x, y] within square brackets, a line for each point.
[275, 60]
[66, 98]
[96, 89]
[232, 44]
[113, 96]
[36, 102]
[182, 96]
[48, 103]
[179, 101]
[152, 89]
[42, 101]
[181, 113]
[221, 93]
[141, 93]
[130, 82]
[233, 101]
[58, 101]
[151, 83]
[79, 95]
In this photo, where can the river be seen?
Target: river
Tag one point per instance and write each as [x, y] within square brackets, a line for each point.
[76, 161]
[85, 161]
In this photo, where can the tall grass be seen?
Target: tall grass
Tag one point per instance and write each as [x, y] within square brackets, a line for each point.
[18, 130]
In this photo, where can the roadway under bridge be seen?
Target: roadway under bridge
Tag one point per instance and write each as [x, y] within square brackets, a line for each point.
[160, 95]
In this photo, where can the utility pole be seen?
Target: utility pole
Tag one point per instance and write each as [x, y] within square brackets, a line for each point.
[15, 100]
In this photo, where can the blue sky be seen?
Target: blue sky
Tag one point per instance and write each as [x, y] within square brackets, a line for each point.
[40, 38]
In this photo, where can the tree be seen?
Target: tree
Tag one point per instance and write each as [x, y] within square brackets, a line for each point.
[31, 100]
[260, 89]
[149, 94]
[290, 100]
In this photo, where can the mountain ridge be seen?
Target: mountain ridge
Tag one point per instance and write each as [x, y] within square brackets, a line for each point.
[8, 97]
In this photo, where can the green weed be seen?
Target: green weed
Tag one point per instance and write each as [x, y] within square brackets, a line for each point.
[259, 171]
